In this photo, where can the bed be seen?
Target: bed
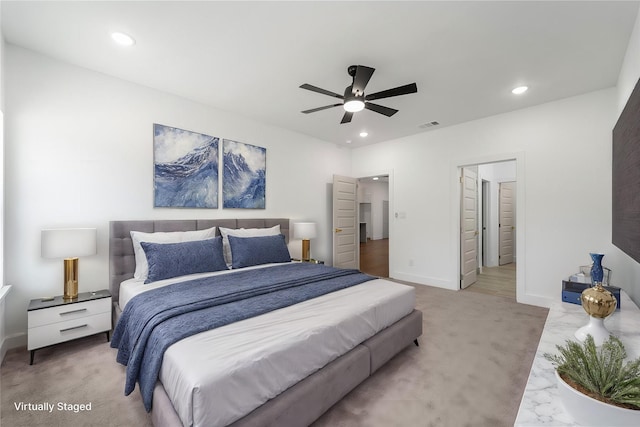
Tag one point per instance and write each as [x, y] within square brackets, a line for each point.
[299, 360]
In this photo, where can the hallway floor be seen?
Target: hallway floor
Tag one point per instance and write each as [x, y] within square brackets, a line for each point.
[499, 281]
[374, 257]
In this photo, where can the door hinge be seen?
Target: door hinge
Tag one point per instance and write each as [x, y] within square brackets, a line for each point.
[461, 180]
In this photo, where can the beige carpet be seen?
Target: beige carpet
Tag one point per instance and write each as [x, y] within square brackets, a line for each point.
[470, 370]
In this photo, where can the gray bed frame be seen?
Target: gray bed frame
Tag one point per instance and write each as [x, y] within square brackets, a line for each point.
[306, 401]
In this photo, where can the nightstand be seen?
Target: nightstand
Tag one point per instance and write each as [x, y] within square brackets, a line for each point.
[52, 321]
[310, 261]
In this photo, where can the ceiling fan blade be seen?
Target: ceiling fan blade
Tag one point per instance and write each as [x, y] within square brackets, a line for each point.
[313, 110]
[360, 80]
[400, 90]
[347, 117]
[380, 109]
[319, 90]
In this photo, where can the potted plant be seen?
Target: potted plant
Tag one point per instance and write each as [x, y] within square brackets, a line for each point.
[596, 386]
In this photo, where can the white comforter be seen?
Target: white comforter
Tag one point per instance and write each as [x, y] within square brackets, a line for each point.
[216, 377]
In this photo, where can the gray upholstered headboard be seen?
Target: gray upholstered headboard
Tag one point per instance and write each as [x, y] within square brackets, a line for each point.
[122, 261]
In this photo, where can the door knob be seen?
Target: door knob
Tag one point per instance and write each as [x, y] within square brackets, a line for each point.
[338, 230]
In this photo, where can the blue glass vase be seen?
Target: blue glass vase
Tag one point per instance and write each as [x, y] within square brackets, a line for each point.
[596, 269]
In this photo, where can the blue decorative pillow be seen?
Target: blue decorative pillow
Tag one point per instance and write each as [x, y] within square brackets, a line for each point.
[248, 251]
[167, 260]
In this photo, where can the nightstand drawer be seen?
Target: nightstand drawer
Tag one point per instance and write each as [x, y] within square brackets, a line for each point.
[58, 332]
[65, 313]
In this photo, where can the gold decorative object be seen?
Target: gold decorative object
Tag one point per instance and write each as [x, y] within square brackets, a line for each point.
[70, 278]
[599, 303]
[305, 231]
[306, 249]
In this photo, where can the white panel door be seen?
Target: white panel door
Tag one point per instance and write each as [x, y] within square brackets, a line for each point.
[469, 227]
[345, 224]
[507, 223]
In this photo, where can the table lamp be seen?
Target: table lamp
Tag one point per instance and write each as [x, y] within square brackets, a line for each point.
[305, 231]
[69, 243]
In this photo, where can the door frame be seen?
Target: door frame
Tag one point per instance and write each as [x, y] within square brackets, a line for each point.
[484, 226]
[455, 191]
[389, 173]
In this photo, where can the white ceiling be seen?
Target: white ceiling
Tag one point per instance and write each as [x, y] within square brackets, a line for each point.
[250, 58]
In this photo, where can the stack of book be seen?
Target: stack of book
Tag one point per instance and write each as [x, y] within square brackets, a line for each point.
[576, 283]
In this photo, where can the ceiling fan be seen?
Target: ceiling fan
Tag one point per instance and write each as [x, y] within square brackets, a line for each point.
[354, 98]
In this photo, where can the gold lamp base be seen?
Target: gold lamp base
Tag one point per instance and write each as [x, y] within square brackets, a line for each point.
[70, 278]
[306, 250]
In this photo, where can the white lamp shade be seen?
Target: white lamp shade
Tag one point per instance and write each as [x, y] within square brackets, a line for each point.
[304, 230]
[68, 242]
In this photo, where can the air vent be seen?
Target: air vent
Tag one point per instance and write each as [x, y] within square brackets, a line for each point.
[429, 124]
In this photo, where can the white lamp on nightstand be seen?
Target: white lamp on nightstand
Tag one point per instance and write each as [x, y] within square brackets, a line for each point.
[69, 243]
[305, 231]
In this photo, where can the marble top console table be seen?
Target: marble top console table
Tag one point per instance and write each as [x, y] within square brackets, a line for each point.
[540, 405]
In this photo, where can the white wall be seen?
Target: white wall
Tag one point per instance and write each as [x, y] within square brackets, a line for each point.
[627, 273]
[2, 47]
[3, 290]
[630, 70]
[4, 345]
[563, 156]
[79, 153]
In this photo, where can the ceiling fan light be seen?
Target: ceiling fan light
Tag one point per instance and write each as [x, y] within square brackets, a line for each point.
[520, 90]
[123, 39]
[354, 105]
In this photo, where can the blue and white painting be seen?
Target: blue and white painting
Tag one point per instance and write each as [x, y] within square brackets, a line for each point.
[185, 168]
[243, 183]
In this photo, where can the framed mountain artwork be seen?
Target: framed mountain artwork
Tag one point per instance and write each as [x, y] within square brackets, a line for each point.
[244, 175]
[185, 167]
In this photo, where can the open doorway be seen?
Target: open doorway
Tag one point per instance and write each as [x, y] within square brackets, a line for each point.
[373, 213]
[495, 228]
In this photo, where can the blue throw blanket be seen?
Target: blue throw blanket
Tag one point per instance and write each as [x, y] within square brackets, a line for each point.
[154, 320]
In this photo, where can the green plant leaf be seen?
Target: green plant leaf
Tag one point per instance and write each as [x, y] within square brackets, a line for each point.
[602, 370]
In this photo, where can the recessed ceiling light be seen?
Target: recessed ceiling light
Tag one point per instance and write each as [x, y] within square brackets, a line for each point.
[123, 39]
[519, 90]
[375, 178]
[364, 134]
[348, 141]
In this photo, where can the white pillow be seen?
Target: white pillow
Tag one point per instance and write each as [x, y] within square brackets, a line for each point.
[142, 267]
[243, 232]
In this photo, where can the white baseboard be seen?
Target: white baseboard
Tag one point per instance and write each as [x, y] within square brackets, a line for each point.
[12, 341]
[534, 300]
[422, 280]
[522, 298]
